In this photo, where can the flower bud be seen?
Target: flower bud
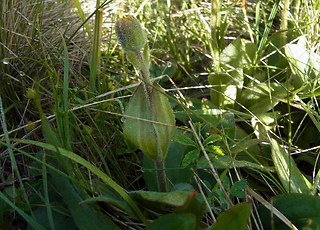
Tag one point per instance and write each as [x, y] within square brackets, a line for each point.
[150, 122]
[130, 33]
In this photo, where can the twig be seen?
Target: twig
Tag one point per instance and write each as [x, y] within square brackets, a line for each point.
[214, 172]
[271, 208]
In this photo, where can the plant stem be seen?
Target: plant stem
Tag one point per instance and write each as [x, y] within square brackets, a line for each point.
[284, 22]
[215, 24]
[145, 72]
[161, 176]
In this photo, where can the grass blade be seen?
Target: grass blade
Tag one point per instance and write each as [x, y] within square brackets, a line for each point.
[12, 156]
[96, 50]
[93, 169]
[82, 16]
[65, 109]
[266, 32]
[29, 219]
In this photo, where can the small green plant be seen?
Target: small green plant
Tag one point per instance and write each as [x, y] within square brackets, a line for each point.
[149, 118]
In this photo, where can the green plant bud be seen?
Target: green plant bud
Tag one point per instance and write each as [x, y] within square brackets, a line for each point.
[150, 122]
[130, 33]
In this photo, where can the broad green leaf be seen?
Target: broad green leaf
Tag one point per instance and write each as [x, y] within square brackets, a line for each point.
[236, 218]
[264, 120]
[302, 210]
[237, 189]
[184, 140]
[183, 202]
[303, 62]
[156, 199]
[291, 177]
[61, 220]
[86, 216]
[250, 153]
[209, 116]
[25, 216]
[183, 187]
[190, 157]
[256, 97]
[239, 53]
[234, 58]
[110, 200]
[185, 221]
[224, 90]
[150, 121]
[195, 205]
[212, 139]
[214, 149]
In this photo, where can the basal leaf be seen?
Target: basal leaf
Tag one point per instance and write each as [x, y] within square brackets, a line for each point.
[185, 221]
[302, 210]
[291, 177]
[236, 218]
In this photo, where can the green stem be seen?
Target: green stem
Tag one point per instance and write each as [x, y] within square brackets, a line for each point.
[214, 27]
[161, 175]
[144, 70]
[284, 22]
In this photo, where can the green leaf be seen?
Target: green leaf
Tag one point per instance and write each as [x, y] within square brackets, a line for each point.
[28, 219]
[115, 202]
[239, 53]
[61, 220]
[184, 140]
[217, 150]
[291, 177]
[304, 63]
[160, 200]
[183, 187]
[212, 139]
[85, 216]
[302, 210]
[236, 218]
[150, 121]
[237, 189]
[224, 90]
[195, 205]
[190, 157]
[174, 221]
[256, 97]
[92, 168]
